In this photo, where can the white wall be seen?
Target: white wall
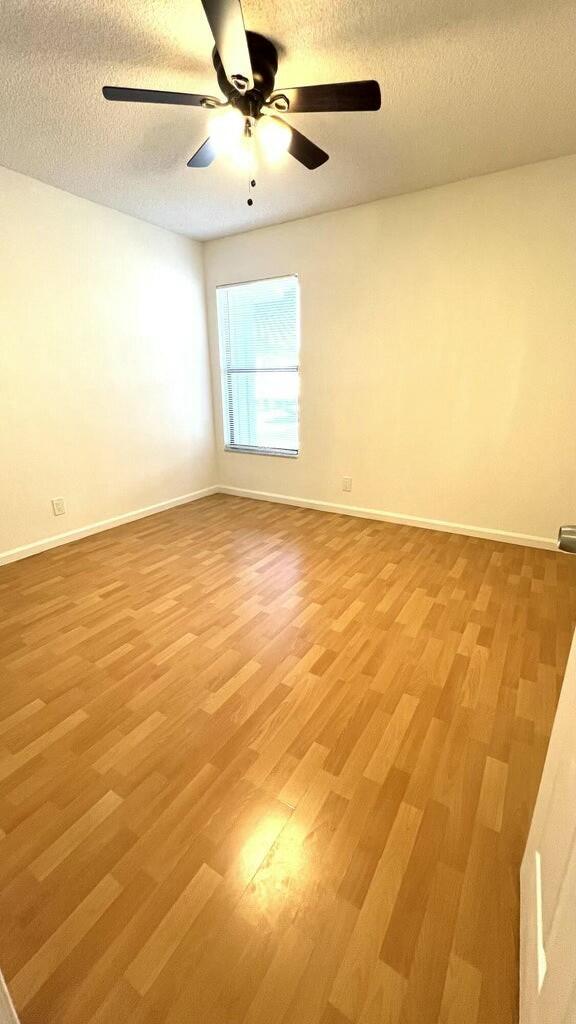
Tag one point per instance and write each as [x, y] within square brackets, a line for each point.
[438, 352]
[104, 378]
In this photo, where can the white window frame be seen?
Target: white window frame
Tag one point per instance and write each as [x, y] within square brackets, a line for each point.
[284, 453]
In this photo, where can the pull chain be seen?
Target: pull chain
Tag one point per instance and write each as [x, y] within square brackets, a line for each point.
[250, 156]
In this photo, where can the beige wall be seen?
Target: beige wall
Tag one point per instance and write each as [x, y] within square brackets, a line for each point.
[438, 358]
[438, 352]
[104, 378]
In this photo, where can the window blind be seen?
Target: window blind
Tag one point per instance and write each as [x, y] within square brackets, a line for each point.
[259, 351]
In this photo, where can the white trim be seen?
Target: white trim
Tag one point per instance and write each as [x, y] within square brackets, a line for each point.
[525, 539]
[224, 370]
[7, 1011]
[541, 961]
[13, 554]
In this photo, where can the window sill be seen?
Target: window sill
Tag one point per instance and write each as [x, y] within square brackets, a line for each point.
[277, 452]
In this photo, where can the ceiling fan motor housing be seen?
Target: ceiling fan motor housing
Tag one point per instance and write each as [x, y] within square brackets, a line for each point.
[264, 60]
[246, 64]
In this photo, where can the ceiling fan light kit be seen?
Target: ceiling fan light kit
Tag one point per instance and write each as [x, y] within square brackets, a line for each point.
[247, 120]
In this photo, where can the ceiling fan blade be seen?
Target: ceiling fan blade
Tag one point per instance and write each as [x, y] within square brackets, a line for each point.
[204, 156]
[185, 99]
[303, 150]
[227, 24]
[338, 96]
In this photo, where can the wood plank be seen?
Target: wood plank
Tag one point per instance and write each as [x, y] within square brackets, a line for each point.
[24, 986]
[156, 952]
[273, 765]
[69, 840]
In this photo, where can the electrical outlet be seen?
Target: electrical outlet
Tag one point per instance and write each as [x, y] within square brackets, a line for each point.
[58, 506]
[346, 483]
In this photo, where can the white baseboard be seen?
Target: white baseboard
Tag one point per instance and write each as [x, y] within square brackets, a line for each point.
[525, 539]
[13, 554]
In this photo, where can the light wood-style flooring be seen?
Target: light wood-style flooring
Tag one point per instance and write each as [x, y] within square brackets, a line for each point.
[265, 765]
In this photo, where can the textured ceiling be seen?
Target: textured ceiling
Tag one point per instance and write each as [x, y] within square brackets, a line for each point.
[468, 87]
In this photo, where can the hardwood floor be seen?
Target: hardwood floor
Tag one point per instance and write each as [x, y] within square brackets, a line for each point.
[264, 765]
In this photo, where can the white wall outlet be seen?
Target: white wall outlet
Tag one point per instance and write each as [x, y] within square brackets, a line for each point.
[346, 483]
[58, 506]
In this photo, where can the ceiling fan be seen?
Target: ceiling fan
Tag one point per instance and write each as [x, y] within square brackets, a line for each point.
[246, 64]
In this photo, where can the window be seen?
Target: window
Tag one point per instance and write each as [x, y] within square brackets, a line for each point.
[259, 341]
